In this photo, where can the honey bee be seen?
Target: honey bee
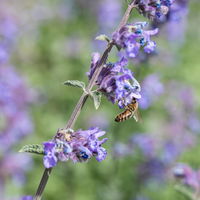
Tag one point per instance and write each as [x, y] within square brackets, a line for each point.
[131, 110]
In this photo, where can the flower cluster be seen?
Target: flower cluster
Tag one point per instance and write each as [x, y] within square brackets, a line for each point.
[77, 146]
[117, 82]
[153, 8]
[133, 37]
[187, 176]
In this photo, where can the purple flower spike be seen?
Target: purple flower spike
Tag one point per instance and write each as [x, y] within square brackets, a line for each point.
[50, 159]
[154, 8]
[78, 146]
[133, 37]
[118, 83]
[87, 142]
[187, 175]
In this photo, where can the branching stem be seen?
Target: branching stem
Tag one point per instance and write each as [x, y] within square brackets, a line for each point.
[84, 96]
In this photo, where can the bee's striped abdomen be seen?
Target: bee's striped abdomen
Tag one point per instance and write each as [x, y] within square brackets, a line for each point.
[129, 111]
[123, 116]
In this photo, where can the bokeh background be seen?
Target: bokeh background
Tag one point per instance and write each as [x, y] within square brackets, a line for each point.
[44, 43]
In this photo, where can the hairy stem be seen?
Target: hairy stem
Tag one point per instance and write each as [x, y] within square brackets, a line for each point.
[84, 96]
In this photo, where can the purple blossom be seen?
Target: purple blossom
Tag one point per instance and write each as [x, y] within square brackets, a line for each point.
[152, 88]
[78, 146]
[111, 11]
[27, 198]
[187, 175]
[50, 158]
[117, 82]
[14, 99]
[133, 38]
[154, 8]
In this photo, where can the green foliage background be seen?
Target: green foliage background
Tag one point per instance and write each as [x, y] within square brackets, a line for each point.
[47, 57]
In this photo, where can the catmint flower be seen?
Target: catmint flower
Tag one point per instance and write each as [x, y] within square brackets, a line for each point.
[152, 88]
[133, 38]
[50, 158]
[153, 8]
[117, 82]
[77, 146]
[187, 175]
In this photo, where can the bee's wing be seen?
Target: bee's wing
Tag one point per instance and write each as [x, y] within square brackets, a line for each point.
[137, 116]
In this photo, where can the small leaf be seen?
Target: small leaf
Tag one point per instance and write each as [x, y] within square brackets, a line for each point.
[75, 83]
[118, 47]
[97, 98]
[103, 38]
[33, 148]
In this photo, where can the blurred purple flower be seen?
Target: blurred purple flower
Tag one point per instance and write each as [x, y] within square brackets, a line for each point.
[98, 120]
[170, 152]
[79, 146]
[121, 150]
[152, 168]
[133, 37]
[111, 11]
[187, 176]
[145, 143]
[3, 54]
[11, 167]
[14, 99]
[8, 28]
[15, 121]
[175, 22]
[152, 88]
[194, 123]
[27, 198]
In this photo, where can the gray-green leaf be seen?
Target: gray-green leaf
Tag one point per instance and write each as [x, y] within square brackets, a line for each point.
[75, 83]
[103, 38]
[33, 148]
[97, 98]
